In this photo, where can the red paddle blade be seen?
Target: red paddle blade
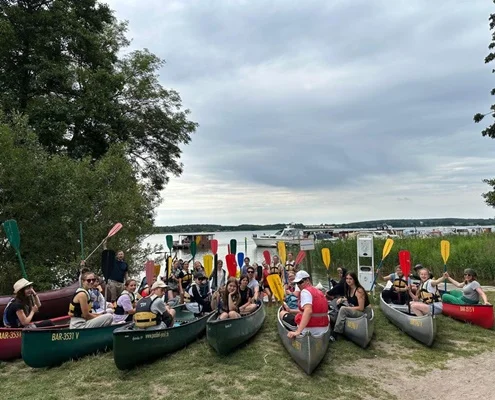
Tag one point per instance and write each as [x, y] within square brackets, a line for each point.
[117, 227]
[267, 256]
[214, 246]
[300, 257]
[231, 264]
[149, 267]
[405, 261]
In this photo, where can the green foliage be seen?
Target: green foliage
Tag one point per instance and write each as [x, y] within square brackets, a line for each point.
[60, 66]
[49, 195]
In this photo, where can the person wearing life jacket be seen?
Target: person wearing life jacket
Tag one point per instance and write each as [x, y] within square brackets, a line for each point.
[397, 293]
[358, 304]
[266, 287]
[414, 277]
[198, 297]
[20, 310]
[427, 299]
[184, 277]
[80, 307]
[126, 303]
[312, 313]
[151, 312]
[276, 266]
[290, 263]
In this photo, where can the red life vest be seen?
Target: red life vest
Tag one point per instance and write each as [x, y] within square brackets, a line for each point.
[319, 318]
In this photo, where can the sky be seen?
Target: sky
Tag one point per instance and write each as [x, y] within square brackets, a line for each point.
[324, 111]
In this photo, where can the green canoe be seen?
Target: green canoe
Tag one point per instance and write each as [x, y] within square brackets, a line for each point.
[50, 347]
[132, 347]
[225, 335]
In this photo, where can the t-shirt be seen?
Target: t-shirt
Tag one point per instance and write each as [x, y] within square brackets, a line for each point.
[307, 298]
[158, 306]
[253, 284]
[118, 272]
[245, 295]
[125, 302]
[11, 315]
[469, 291]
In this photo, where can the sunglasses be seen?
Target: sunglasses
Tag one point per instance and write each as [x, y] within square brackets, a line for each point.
[468, 275]
[90, 280]
[250, 272]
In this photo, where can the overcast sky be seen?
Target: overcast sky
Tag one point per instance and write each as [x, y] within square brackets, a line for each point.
[324, 111]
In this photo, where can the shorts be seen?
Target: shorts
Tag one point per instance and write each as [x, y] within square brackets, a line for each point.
[290, 319]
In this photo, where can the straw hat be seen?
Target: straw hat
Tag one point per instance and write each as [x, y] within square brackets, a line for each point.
[21, 284]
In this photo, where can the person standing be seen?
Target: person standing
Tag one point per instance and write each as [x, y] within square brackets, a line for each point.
[220, 277]
[118, 274]
[246, 265]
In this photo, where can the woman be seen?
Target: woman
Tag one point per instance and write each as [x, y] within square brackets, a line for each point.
[471, 290]
[266, 286]
[427, 298]
[126, 303]
[80, 307]
[198, 268]
[100, 305]
[291, 292]
[227, 300]
[358, 303]
[246, 305]
[20, 310]
[338, 288]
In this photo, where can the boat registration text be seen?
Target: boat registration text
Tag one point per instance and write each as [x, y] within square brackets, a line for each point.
[466, 309]
[10, 335]
[65, 336]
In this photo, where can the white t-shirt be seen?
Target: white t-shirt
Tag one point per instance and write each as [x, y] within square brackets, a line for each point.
[307, 298]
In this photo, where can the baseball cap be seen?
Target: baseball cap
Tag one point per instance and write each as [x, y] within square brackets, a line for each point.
[300, 276]
[159, 284]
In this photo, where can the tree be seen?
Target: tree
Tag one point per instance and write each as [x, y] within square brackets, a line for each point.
[49, 195]
[60, 65]
[490, 130]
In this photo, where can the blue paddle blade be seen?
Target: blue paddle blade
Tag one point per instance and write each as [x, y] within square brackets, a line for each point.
[240, 259]
[12, 232]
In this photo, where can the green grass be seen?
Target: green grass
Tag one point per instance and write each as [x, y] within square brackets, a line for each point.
[261, 369]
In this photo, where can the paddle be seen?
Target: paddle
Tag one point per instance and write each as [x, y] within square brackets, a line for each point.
[149, 269]
[233, 246]
[170, 242]
[156, 270]
[386, 249]
[197, 240]
[117, 227]
[14, 238]
[445, 250]
[325, 255]
[276, 286]
[300, 257]
[240, 259]
[283, 257]
[214, 249]
[169, 268]
[81, 240]
[405, 265]
[267, 257]
[208, 264]
[231, 264]
[193, 250]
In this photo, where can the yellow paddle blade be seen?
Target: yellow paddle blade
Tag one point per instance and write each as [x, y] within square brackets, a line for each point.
[325, 254]
[445, 250]
[276, 286]
[208, 264]
[388, 246]
[169, 266]
[238, 273]
[157, 270]
[282, 252]
[198, 239]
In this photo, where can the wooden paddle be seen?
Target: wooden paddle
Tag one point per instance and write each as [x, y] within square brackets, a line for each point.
[149, 269]
[386, 249]
[267, 257]
[276, 286]
[231, 264]
[117, 227]
[325, 255]
[208, 264]
[12, 231]
[214, 249]
[445, 250]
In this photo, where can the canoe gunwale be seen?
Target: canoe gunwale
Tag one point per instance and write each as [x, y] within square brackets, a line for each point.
[369, 328]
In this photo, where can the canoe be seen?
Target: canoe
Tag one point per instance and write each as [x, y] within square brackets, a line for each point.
[306, 350]
[54, 303]
[423, 329]
[50, 347]
[477, 314]
[10, 339]
[360, 330]
[132, 347]
[225, 335]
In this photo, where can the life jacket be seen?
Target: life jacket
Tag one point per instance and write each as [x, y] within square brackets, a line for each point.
[290, 266]
[144, 317]
[119, 310]
[186, 279]
[319, 317]
[425, 296]
[274, 269]
[399, 283]
[75, 308]
[6, 323]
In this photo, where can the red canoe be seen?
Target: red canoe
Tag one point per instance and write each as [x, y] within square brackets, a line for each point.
[54, 303]
[10, 338]
[476, 314]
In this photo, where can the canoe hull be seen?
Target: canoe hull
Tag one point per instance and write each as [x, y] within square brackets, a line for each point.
[134, 347]
[11, 343]
[50, 347]
[224, 336]
[477, 314]
[423, 329]
[360, 330]
[307, 350]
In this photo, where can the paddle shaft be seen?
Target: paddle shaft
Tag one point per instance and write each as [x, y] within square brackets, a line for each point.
[21, 263]
[376, 275]
[445, 270]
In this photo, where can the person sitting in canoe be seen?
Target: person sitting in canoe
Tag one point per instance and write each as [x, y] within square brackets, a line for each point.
[312, 313]
[198, 267]
[266, 286]
[199, 295]
[146, 290]
[100, 305]
[21, 309]
[471, 290]
[184, 277]
[126, 303]
[247, 304]
[253, 283]
[338, 288]
[173, 281]
[227, 300]
[427, 298]
[80, 307]
[218, 277]
[415, 279]
[151, 312]
[397, 294]
[291, 291]
[358, 304]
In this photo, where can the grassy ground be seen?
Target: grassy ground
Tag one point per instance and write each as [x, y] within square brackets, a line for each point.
[262, 369]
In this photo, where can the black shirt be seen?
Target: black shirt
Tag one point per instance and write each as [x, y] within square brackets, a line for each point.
[246, 294]
[11, 315]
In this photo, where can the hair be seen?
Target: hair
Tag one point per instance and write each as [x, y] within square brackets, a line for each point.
[86, 274]
[129, 281]
[243, 276]
[21, 295]
[225, 296]
[471, 272]
[347, 289]
[247, 258]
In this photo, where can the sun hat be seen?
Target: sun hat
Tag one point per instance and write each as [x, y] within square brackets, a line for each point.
[300, 276]
[159, 284]
[21, 284]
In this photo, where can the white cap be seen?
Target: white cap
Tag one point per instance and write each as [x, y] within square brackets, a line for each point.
[300, 276]
[159, 284]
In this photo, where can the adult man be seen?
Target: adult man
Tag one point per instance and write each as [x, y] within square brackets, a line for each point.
[312, 313]
[118, 274]
[246, 265]
[151, 312]
[253, 283]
